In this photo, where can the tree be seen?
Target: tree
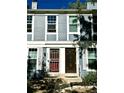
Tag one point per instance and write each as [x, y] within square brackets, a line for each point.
[85, 39]
[75, 5]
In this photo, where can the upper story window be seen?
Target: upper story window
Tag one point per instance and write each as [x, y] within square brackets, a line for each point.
[29, 23]
[51, 23]
[73, 24]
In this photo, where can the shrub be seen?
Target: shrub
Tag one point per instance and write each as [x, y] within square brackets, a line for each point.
[90, 79]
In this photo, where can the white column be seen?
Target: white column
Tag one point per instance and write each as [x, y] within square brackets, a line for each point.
[62, 61]
[47, 58]
[37, 59]
[40, 56]
[85, 60]
[57, 28]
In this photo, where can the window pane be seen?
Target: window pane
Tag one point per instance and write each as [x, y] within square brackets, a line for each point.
[29, 28]
[95, 37]
[33, 53]
[73, 19]
[51, 19]
[29, 19]
[52, 26]
[92, 63]
[91, 53]
[31, 64]
[73, 28]
[28, 25]
[51, 23]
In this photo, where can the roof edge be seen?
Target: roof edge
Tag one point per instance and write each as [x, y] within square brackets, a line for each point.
[60, 11]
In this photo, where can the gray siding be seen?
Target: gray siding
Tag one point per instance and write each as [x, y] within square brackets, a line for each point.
[62, 27]
[51, 37]
[39, 28]
[29, 37]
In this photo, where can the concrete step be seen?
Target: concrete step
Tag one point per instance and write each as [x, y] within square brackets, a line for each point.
[68, 77]
[69, 80]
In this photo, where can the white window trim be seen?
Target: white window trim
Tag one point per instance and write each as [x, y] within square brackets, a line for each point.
[67, 27]
[46, 25]
[56, 28]
[29, 32]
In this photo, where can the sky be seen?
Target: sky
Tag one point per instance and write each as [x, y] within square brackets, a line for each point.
[52, 4]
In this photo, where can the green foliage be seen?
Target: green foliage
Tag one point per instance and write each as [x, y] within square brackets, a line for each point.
[91, 0]
[77, 5]
[90, 79]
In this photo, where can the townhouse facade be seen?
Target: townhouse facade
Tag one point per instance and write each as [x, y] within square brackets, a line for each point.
[50, 36]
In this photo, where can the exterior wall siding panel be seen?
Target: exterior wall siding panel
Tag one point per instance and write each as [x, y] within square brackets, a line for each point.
[62, 27]
[39, 28]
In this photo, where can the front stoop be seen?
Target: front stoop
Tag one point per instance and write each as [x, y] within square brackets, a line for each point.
[68, 77]
[72, 78]
[76, 79]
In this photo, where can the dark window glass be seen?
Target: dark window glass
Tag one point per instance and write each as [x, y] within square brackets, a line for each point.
[92, 58]
[95, 37]
[52, 27]
[29, 19]
[29, 28]
[29, 23]
[51, 19]
[95, 23]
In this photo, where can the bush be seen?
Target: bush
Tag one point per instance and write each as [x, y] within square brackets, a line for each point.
[90, 79]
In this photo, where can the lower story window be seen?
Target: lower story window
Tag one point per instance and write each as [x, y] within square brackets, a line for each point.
[31, 62]
[92, 59]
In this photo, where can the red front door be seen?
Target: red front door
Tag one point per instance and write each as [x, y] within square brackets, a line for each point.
[54, 60]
